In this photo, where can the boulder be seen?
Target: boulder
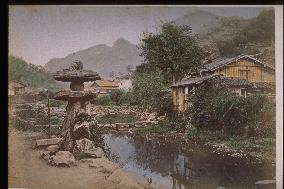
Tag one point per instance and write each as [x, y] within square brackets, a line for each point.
[85, 148]
[47, 142]
[105, 165]
[45, 155]
[53, 148]
[62, 159]
[82, 130]
[267, 184]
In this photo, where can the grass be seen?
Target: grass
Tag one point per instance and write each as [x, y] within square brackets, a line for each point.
[262, 146]
[159, 128]
[117, 118]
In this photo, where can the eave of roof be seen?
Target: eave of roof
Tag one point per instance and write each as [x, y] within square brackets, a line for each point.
[218, 63]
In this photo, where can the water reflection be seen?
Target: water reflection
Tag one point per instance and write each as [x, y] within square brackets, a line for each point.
[169, 167]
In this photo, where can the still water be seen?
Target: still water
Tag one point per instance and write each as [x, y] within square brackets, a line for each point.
[169, 166]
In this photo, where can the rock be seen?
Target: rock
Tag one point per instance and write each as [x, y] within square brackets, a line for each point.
[127, 179]
[76, 75]
[220, 187]
[85, 148]
[265, 182]
[53, 148]
[151, 117]
[62, 159]
[77, 86]
[74, 96]
[82, 130]
[96, 153]
[87, 160]
[45, 155]
[104, 164]
[47, 142]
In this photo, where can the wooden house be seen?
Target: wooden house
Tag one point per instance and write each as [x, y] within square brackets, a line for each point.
[16, 88]
[183, 90]
[245, 67]
[104, 87]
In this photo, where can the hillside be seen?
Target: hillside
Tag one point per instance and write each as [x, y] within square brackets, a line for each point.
[199, 20]
[31, 75]
[232, 36]
[101, 58]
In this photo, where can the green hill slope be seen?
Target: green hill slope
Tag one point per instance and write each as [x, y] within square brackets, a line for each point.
[232, 36]
[31, 75]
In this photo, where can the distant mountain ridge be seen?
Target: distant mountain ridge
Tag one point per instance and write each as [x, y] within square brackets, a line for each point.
[101, 58]
[219, 36]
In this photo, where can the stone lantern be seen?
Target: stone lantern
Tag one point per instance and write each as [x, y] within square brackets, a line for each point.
[76, 132]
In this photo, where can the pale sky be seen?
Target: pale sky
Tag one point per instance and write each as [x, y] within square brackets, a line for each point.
[39, 33]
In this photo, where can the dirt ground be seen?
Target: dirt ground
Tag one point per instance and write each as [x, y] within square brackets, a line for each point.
[27, 170]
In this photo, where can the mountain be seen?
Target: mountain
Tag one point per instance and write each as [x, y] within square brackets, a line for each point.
[101, 58]
[232, 36]
[32, 75]
[219, 36]
[198, 19]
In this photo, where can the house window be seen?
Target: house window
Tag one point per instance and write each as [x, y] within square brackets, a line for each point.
[243, 92]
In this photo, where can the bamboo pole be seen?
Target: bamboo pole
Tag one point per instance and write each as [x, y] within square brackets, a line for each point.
[48, 114]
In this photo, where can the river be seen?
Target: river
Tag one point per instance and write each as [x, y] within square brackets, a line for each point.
[167, 165]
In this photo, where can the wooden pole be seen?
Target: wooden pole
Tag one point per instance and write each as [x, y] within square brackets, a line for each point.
[48, 114]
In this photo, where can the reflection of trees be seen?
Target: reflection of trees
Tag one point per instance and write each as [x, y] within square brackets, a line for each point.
[196, 169]
[155, 154]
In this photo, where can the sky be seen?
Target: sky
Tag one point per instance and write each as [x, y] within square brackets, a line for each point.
[39, 33]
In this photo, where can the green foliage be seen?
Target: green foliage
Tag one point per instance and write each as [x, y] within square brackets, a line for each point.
[116, 95]
[234, 36]
[56, 103]
[159, 128]
[216, 108]
[104, 100]
[31, 75]
[148, 89]
[174, 51]
[118, 118]
[56, 121]
[261, 28]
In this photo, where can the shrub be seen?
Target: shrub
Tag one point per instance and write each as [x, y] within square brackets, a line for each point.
[104, 100]
[217, 108]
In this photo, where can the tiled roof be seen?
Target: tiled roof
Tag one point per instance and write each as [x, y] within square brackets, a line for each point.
[264, 85]
[195, 80]
[220, 62]
[234, 82]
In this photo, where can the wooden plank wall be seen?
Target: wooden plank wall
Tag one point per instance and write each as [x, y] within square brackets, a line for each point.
[257, 72]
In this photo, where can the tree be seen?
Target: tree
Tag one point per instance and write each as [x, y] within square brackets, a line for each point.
[148, 89]
[174, 50]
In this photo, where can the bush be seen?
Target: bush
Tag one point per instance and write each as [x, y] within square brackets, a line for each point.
[117, 118]
[217, 108]
[104, 100]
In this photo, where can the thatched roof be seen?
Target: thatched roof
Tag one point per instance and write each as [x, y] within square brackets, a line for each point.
[76, 75]
[220, 62]
[74, 95]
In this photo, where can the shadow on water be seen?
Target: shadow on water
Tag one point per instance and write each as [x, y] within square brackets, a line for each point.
[169, 167]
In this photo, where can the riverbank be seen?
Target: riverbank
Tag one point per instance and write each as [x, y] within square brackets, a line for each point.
[27, 170]
[259, 149]
[255, 148]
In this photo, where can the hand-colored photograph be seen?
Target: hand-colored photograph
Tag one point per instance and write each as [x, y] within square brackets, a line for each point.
[143, 97]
